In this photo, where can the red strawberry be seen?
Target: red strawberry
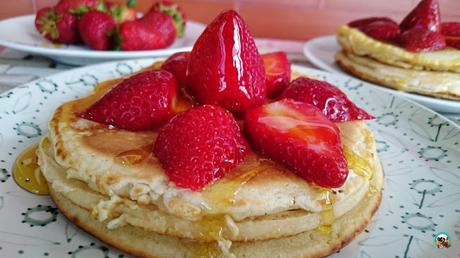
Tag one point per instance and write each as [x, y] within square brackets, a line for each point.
[451, 31]
[301, 138]
[121, 12]
[76, 7]
[177, 65]
[365, 21]
[141, 102]
[225, 67]
[425, 15]
[421, 40]
[172, 9]
[95, 27]
[334, 104]
[153, 31]
[56, 26]
[199, 146]
[45, 23]
[277, 72]
[381, 28]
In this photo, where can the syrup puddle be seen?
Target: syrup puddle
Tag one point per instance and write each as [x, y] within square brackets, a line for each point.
[27, 173]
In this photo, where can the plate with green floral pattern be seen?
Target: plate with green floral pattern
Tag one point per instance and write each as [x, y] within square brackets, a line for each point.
[419, 149]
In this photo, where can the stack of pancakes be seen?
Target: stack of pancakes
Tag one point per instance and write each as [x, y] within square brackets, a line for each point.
[108, 182]
[434, 74]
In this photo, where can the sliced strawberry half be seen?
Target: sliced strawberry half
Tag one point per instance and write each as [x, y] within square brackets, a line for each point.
[141, 102]
[381, 28]
[451, 31]
[334, 104]
[301, 138]
[426, 16]
[199, 146]
[277, 72]
[177, 65]
[175, 11]
[422, 40]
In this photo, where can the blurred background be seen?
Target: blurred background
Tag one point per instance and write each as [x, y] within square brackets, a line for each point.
[283, 19]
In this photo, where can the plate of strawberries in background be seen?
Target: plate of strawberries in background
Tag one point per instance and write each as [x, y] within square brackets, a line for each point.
[79, 32]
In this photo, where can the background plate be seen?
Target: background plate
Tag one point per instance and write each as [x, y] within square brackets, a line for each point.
[19, 33]
[321, 53]
[419, 149]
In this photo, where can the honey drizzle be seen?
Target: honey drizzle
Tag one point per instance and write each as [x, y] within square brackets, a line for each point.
[359, 159]
[134, 156]
[220, 197]
[27, 173]
[327, 215]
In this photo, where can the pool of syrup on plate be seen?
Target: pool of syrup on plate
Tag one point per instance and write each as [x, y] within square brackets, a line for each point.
[27, 173]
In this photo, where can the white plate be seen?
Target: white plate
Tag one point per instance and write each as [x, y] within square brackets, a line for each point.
[321, 53]
[19, 33]
[419, 149]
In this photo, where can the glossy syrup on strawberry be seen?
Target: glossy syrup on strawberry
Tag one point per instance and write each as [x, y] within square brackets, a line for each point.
[225, 66]
[300, 137]
[141, 102]
[277, 72]
[334, 104]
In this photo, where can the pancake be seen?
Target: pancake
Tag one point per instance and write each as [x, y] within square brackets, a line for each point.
[355, 42]
[120, 210]
[98, 155]
[431, 83]
[108, 181]
[311, 243]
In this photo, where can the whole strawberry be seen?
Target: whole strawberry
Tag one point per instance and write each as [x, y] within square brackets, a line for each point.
[141, 102]
[121, 12]
[334, 104]
[58, 27]
[301, 138]
[153, 31]
[225, 67]
[277, 72]
[45, 22]
[199, 146]
[422, 40]
[381, 28]
[177, 65]
[95, 29]
[172, 9]
[76, 7]
[425, 16]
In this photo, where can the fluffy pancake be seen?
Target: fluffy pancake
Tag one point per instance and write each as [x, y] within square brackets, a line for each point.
[432, 83]
[354, 41]
[108, 182]
[120, 211]
[98, 155]
[311, 243]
